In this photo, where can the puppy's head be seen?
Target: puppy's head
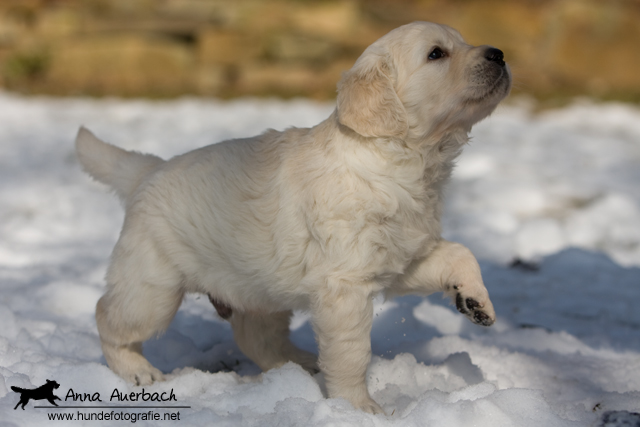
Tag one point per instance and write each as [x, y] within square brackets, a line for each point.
[421, 79]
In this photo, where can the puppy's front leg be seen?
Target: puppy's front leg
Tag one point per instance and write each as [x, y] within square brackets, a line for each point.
[342, 318]
[450, 268]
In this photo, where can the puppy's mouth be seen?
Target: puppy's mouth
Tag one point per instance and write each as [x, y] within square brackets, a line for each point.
[489, 84]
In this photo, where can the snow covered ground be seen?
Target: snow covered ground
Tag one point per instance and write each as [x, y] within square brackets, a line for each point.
[558, 190]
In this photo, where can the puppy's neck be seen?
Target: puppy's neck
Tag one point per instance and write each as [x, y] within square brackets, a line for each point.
[449, 143]
[413, 161]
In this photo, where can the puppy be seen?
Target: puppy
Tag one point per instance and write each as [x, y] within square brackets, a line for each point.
[318, 219]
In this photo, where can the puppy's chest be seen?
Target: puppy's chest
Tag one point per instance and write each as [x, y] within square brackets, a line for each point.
[379, 227]
[407, 232]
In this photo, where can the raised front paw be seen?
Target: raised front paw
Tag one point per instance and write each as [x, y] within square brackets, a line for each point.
[480, 313]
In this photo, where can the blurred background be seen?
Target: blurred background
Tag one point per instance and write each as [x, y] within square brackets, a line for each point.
[227, 48]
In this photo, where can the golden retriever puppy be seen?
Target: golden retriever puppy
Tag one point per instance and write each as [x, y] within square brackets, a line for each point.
[318, 219]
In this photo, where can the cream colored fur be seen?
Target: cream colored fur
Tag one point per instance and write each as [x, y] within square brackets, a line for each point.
[318, 219]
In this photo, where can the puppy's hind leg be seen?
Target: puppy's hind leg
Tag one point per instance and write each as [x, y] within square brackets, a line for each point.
[142, 299]
[264, 338]
[124, 325]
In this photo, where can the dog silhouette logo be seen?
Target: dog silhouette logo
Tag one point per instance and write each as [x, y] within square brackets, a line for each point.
[43, 392]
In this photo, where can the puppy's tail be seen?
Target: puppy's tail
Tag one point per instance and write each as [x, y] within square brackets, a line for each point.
[18, 389]
[120, 169]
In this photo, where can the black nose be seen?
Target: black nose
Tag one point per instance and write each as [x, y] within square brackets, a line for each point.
[494, 55]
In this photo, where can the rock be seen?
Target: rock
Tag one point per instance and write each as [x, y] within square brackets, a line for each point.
[620, 419]
[295, 47]
[125, 64]
[224, 47]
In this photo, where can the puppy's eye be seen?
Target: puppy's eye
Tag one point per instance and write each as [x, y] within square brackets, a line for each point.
[436, 53]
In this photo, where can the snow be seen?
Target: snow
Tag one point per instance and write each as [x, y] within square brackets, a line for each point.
[556, 190]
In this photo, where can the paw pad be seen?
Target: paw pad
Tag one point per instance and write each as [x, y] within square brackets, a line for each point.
[472, 309]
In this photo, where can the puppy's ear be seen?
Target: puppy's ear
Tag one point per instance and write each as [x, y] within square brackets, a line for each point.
[367, 101]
